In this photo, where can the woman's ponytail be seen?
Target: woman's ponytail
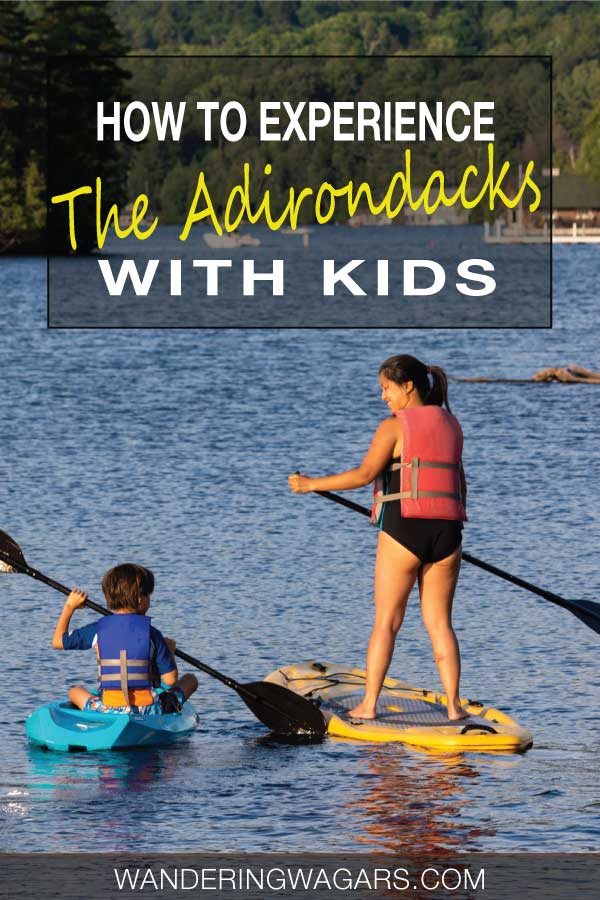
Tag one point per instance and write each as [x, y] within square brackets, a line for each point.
[438, 392]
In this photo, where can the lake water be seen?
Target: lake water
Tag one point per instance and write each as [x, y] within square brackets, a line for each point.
[172, 448]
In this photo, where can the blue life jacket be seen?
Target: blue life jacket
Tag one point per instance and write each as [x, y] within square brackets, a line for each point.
[124, 653]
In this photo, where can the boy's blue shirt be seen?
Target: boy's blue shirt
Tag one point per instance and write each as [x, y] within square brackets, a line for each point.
[85, 638]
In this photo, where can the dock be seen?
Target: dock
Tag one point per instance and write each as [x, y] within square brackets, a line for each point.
[500, 233]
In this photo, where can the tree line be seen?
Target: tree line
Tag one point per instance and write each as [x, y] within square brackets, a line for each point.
[45, 148]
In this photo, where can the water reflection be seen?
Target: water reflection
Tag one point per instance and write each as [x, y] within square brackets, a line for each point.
[105, 774]
[413, 802]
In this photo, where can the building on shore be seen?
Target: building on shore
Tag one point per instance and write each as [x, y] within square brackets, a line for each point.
[575, 200]
[571, 203]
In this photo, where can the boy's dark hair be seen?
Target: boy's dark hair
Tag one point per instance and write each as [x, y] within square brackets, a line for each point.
[123, 585]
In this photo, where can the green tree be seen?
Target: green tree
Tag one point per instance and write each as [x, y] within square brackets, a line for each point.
[23, 208]
[81, 40]
[177, 193]
[21, 131]
[84, 38]
[589, 157]
[34, 195]
[12, 216]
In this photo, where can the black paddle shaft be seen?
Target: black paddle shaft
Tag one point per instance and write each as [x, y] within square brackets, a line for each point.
[277, 707]
[586, 610]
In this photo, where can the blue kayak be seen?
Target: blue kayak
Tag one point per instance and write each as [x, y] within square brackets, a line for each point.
[61, 726]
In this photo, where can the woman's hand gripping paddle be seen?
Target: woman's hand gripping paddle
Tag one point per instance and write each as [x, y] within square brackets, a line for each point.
[586, 610]
[280, 709]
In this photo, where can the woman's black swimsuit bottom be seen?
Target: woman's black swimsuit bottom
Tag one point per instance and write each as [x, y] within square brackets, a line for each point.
[429, 539]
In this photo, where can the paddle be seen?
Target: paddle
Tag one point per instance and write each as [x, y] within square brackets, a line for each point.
[280, 709]
[586, 610]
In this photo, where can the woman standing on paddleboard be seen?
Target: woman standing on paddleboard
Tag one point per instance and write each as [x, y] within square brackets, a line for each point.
[420, 497]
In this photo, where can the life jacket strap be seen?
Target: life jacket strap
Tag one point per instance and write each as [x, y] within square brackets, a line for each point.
[409, 495]
[117, 662]
[416, 464]
[124, 675]
[415, 494]
[136, 676]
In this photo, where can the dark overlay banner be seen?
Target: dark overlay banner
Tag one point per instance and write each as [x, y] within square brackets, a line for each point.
[288, 876]
[301, 192]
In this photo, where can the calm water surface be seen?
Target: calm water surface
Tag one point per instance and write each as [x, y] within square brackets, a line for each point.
[172, 448]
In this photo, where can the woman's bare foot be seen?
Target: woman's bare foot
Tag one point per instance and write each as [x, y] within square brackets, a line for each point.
[362, 711]
[456, 712]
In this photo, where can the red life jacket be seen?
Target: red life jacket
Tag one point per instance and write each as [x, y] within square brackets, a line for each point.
[430, 471]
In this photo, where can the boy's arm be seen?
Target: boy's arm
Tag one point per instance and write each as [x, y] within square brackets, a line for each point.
[165, 662]
[170, 678]
[75, 599]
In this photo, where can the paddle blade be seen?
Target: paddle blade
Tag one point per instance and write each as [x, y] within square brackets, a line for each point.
[9, 548]
[283, 711]
[588, 612]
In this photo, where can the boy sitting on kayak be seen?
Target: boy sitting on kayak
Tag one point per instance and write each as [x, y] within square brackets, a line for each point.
[129, 649]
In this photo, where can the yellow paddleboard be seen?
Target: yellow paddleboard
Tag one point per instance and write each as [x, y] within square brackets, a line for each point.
[404, 713]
